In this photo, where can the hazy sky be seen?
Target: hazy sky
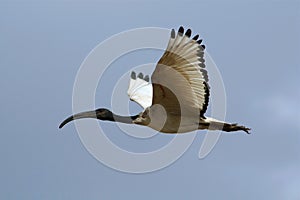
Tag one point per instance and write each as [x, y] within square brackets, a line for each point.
[256, 46]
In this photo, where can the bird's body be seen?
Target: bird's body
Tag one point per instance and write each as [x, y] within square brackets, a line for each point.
[158, 119]
[178, 97]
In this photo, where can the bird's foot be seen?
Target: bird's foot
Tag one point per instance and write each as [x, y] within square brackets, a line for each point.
[242, 128]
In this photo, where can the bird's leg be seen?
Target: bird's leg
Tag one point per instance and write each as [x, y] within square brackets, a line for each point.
[218, 125]
[235, 127]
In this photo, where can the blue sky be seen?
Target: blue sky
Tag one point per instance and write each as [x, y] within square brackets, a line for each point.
[256, 46]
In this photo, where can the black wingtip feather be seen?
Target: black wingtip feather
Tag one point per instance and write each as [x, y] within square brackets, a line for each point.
[202, 65]
[196, 37]
[205, 75]
[200, 54]
[146, 78]
[203, 46]
[133, 75]
[140, 75]
[188, 33]
[173, 33]
[202, 60]
[199, 41]
[180, 30]
[206, 97]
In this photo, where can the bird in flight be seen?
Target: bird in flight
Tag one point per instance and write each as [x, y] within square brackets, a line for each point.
[177, 98]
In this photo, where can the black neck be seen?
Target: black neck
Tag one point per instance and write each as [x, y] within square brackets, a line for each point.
[122, 119]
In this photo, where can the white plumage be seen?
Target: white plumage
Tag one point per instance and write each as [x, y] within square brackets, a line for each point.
[140, 90]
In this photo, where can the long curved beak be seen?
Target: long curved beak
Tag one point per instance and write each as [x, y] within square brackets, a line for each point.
[88, 114]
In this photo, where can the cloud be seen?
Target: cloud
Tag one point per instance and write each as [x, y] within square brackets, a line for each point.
[282, 110]
[289, 180]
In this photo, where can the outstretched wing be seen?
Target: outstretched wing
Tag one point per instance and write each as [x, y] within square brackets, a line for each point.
[180, 75]
[140, 90]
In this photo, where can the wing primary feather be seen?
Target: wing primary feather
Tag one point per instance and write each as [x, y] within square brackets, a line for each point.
[173, 33]
[202, 60]
[184, 44]
[199, 41]
[146, 78]
[202, 65]
[196, 37]
[191, 50]
[140, 75]
[200, 54]
[133, 75]
[204, 74]
[181, 30]
[177, 41]
[188, 33]
[172, 40]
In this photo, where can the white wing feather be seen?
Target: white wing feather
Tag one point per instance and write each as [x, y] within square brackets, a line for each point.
[140, 90]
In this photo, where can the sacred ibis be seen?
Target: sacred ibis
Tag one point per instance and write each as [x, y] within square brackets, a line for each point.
[177, 98]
